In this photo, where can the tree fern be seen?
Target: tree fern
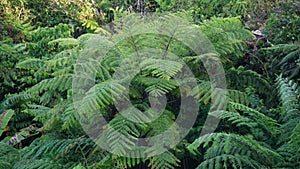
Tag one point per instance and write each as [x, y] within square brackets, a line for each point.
[112, 90]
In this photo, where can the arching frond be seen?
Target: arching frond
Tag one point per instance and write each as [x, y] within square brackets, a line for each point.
[65, 42]
[234, 150]
[12, 100]
[121, 135]
[101, 95]
[243, 78]
[60, 83]
[266, 122]
[235, 118]
[31, 64]
[228, 36]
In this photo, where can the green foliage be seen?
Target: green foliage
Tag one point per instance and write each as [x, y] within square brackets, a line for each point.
[228, 36]
[290, 117]
[240, 78]
[165, 160]
[39, 44]
[282, 26]
[222, 150]
[42, 76]
[15, 20]
[8, 156]
[286, 59]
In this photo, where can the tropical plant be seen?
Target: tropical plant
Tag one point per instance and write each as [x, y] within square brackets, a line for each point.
[71, 99]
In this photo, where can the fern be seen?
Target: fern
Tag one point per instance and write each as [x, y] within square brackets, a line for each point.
[157, 87]
[239, 97]
[102, 94]
[290, 116]
[14, 100]
[165, 160]
[65, 42]
[97, 70]
[120, 135]
[265, 121]
[233, 150]
[235, 118]
[31, 64]
[133, 160]
[228, 36]
[245, 78]
[8, 156]
[286, 56]
[39, 164]
[164, 69]
[60, 83]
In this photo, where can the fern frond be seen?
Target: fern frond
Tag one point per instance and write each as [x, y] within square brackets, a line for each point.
[238, 97]
[230, 161]
[102, 94]
[134, 158]
[60, 62]
[164, 69]
[8, 156]
[266, 122]
[13, 100]
[57, 148]
[39, 164]
[6, 48]
[161, 124]
[289, 98]
[31, 64]
[157, 87]
[165, 160]
[228, 36]
[202, 92]
[234, 146]
[286, 56]
[120, 135]
[65, 42]
[235, 118]
[69, 117]
[245, 78]
[60, 83]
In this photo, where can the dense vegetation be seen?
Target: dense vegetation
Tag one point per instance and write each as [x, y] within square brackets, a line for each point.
[45, 90]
